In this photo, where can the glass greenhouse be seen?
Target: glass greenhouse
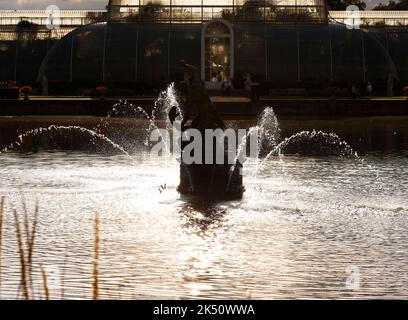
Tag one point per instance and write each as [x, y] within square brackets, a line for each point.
[281, 43]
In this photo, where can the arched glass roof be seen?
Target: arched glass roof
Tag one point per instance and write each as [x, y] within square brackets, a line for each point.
[146, 53]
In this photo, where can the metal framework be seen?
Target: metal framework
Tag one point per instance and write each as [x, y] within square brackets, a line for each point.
[176, 11]
[371, 18]
[42, 17]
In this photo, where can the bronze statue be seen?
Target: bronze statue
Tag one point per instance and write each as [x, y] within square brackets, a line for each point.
[220, 180]
[197, 105]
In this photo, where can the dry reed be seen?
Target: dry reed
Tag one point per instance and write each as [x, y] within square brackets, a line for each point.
[95, 286]
[32, 234]
[25, 243]
[45, 283]
[26, 247]
[23, 264]
[1, 233]
[26, 221]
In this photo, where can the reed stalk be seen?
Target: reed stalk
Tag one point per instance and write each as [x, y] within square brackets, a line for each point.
[95, 286]
[26, 221]
[1, 234]
[45, 283]
[33, 233]
[23, 263]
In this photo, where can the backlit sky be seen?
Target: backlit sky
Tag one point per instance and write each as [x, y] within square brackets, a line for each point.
[62, 4]
[87, 4]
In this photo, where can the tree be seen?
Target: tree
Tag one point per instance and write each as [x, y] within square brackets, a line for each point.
[393, 5]
[94, 17]
[26, 25]
[27, 30]
[149, 11]
[343, 4]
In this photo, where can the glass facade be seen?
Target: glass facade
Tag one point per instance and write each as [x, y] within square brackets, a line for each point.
[148, 52]
[217, 52]
[283, 54]
[198, 11]
[371, 18]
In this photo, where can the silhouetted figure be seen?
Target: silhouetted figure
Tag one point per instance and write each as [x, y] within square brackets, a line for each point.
[248, 85]
[354, 91]
[227, 87]
[198, 102]
[369, 89]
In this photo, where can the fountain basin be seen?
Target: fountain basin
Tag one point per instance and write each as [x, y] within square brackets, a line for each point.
[217, 180]
[220, 180]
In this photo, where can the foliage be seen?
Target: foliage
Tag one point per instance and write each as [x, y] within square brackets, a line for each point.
[150, 11]
[343, 4]
[8, 84]
[254, 10]
[96, 17]
[24, 24]
[393, 5]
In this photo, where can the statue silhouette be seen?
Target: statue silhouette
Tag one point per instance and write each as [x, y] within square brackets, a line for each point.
[197, 105]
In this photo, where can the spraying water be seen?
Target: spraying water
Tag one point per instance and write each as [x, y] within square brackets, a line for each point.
[269, 144]
[267, 133]
[94, 136]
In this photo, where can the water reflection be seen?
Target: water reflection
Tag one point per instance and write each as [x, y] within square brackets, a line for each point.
[303, 222]
[202, 216]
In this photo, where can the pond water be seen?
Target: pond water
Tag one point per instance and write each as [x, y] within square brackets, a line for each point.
[309, 225]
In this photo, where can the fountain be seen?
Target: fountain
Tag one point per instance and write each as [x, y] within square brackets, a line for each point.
[206, 175]
[188, 102]
[307, 194]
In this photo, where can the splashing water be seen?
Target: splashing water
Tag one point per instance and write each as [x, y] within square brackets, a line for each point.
[304, 142]
[167, 99]
[124, 108]
[241, 150]
[268, 131]
[312, 143]
[64, 129]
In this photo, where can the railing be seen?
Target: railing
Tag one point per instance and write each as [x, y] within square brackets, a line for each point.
[372, 18]
[156, 13]
[42, 17]
[11, 33]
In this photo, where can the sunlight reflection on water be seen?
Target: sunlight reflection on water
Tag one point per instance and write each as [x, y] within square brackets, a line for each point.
[302, 222]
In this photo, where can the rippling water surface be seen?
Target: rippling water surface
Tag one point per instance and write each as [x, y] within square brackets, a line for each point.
[307, 226]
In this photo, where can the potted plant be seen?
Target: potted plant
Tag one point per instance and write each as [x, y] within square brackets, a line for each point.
[332, 90]
[406, 90]
[26, 90]
[9, 90]
[102, 90]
